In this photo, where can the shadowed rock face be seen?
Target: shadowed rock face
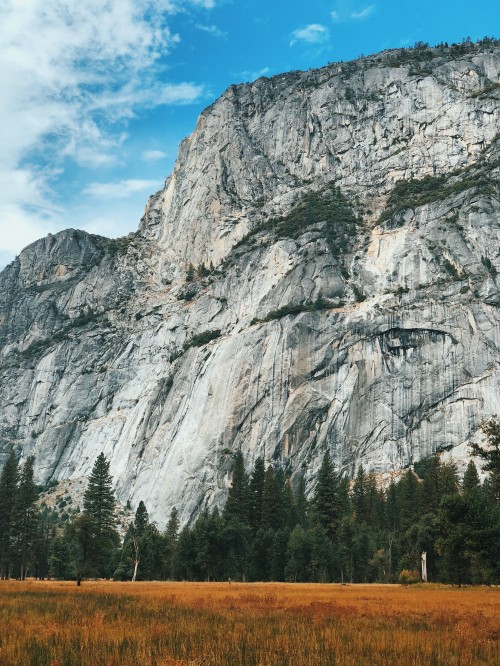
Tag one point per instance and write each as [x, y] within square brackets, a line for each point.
[343, 231]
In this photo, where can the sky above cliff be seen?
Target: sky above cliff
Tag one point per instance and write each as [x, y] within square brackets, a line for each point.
[96, 95]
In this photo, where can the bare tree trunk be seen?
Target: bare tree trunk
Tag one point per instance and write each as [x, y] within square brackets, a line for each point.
[135, 543]
[424, 566]
[136, 565]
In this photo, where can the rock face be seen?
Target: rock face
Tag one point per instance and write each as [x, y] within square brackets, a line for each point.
[320, 272]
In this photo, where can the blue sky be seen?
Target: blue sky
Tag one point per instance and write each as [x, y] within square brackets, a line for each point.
[97, 94]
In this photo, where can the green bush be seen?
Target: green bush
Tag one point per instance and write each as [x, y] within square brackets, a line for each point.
[450, 268]
[308, 306]
[117, 246]
[202, 339]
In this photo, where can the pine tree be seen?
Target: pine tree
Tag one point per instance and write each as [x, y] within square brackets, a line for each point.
[141, 519]
[99, 500]
[61, 561]
[272, 501]
[46, 531]
[136, 535]
[24, 522]
[429, 471]
[207, 534]
[81, 538]
[491, 455]
[455, 534]
[359, 496]
[236, 539]
[277, 554]
[470, 482]
[347, 531]
[184, 567]
[151, 549]
[325, 499]
[99, 507]
[170, 540]
[125, 568]
[298, 556]
[256, 490]
[8, 484]
[374, 506]
[409, 500]
[173, 525]
[301, 503]
[237, 504]
[448, 479]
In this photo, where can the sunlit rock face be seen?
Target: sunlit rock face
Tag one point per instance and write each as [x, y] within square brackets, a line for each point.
[320, 272]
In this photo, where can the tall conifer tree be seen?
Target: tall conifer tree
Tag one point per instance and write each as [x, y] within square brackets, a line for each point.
[470, 482]
[24, 524]
[99, 507]
[256, 490]
[272, 501]
[325, 499]
[237, 505]
[8, 484]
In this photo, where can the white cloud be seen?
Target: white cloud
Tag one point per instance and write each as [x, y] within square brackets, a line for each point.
[345, 11]
[212, 30]
[72, 75]
[153, 155]
[121, 189]
[363, 13]
[206, 4]
[21, 226]
[248, 75]
[311, 34]
[261, 72]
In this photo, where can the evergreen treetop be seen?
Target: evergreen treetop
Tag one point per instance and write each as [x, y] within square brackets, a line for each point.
[237, 504]
[99, 500]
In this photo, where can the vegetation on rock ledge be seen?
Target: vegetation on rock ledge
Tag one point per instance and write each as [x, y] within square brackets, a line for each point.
[328, 207]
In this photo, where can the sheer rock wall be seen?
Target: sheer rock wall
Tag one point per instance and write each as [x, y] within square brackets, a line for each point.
[347, 311]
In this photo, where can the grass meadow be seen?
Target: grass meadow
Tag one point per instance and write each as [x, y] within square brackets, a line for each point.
[141, 624]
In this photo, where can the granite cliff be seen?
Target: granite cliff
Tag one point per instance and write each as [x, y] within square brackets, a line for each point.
[319, 272]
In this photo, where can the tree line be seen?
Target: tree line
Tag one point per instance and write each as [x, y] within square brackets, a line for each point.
[268, 530]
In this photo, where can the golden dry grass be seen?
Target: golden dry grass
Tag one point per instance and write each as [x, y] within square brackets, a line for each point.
[140, 624]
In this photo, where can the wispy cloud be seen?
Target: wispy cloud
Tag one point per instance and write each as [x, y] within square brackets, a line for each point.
[345, 11]
[311, 34]
[212, 30]
[363, 13]
[249, 75]
[206, 4]
[153, 155]
[72, 75]
[121, 189]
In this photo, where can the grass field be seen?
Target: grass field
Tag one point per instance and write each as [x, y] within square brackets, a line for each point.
[139, 624]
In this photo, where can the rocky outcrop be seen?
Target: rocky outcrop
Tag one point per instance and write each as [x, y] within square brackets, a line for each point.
[320, 272]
